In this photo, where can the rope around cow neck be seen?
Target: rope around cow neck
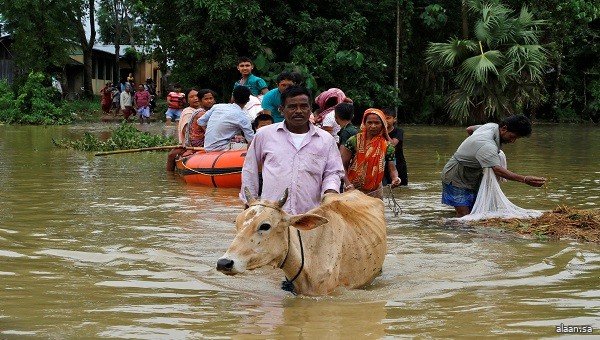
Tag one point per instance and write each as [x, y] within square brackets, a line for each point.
[288, 285]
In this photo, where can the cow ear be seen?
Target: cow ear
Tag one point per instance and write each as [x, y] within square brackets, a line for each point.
[307, 221]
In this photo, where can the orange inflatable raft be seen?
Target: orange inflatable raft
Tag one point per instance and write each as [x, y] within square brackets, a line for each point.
[219, 169]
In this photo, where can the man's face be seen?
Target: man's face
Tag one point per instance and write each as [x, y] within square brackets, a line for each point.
[193, 99]
[508, 137]
[178, 89]
[296, 111]
[284, 85]
[245, 67]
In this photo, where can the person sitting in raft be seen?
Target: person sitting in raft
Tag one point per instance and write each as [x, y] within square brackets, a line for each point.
[194, 135]
[223, 121]
[189, 133]
[366, 154]
[262, 120]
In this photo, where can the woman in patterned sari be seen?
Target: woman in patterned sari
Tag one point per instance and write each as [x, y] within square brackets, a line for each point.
[367, 153]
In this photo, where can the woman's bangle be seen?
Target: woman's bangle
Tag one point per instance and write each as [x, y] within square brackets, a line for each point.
[348, 186]
[525, 179]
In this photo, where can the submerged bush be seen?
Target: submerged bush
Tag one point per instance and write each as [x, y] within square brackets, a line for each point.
[126, 136]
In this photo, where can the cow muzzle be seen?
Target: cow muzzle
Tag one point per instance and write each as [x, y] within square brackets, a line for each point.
[226, 266]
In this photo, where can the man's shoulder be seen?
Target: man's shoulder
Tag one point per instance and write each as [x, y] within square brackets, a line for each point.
[271, 94]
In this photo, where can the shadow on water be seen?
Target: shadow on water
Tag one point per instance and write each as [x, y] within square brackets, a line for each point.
[113, 247]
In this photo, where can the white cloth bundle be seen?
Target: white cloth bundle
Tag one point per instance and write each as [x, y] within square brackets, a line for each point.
[491, 201]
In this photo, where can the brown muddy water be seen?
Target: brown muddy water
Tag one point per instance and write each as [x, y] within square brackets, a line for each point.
[113, 247]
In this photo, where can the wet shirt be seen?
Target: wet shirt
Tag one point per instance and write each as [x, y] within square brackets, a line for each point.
[478, 151]
[307, 171]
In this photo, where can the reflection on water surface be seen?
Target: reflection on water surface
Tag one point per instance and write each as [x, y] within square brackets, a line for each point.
[112, 247]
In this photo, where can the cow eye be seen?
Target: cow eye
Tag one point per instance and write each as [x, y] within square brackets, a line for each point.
[264, 227]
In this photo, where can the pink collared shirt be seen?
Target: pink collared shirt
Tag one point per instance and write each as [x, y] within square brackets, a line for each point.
[307, 172]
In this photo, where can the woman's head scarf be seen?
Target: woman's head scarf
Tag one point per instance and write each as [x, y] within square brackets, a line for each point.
[381, 116]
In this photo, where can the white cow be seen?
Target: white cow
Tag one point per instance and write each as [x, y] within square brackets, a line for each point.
[340, 243]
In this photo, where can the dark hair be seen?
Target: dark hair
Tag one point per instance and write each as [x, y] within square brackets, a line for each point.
[286, 76]
[244, 59]
[344, 111]
[241, 95]
[203, 92]
[187, 93]
[263, 117]
[297, 78]
[389, 112]
[518, 124]
[176, 86]
[294, 91]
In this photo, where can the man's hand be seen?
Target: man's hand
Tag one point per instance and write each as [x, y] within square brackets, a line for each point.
[534, 181]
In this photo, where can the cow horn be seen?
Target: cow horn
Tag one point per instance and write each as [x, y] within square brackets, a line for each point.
[283, 199]
[251, 200]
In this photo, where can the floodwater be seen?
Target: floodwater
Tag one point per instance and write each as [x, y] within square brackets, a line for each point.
[113, 247]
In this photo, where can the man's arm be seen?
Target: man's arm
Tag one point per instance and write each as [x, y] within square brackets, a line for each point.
[250, 171]
[334, 169]
[472, 129]
[246, 127]
[203, 121]
[529, 180]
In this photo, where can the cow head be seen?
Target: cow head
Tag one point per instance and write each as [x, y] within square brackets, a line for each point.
[262, 235]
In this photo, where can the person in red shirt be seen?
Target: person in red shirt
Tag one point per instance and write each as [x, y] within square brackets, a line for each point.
[141, 100]
[176, 100]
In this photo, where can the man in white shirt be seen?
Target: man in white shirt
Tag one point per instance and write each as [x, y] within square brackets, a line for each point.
[224, 121]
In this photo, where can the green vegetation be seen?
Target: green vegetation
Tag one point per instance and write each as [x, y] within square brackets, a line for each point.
[438, 61]
[36, 102]
[126, 136]
[498, 73]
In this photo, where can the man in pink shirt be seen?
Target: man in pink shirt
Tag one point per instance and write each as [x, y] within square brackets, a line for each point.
[293, 154]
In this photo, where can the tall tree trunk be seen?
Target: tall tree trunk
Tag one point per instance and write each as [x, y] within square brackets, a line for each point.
[465, 20]
[87, 46]
[117, 11]
[556, 93]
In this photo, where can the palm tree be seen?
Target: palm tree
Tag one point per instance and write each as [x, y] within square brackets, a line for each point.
[497, 73]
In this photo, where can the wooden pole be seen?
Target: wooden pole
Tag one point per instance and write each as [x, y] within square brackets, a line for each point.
[166, 147]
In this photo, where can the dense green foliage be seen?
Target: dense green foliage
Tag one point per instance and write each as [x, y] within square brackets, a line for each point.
[36, 102]
[27, 20]
[374, 51]
[33, 103]
[498, 73]
[126, 136]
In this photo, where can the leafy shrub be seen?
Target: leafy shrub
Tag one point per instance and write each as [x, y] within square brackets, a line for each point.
[126, 136]
[34, 103]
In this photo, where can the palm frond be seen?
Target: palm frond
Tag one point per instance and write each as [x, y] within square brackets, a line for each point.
[459, 105]
[529, 60]
[479, 67]
[440, 55]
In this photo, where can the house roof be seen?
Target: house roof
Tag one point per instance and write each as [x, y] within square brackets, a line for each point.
[111, 49]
